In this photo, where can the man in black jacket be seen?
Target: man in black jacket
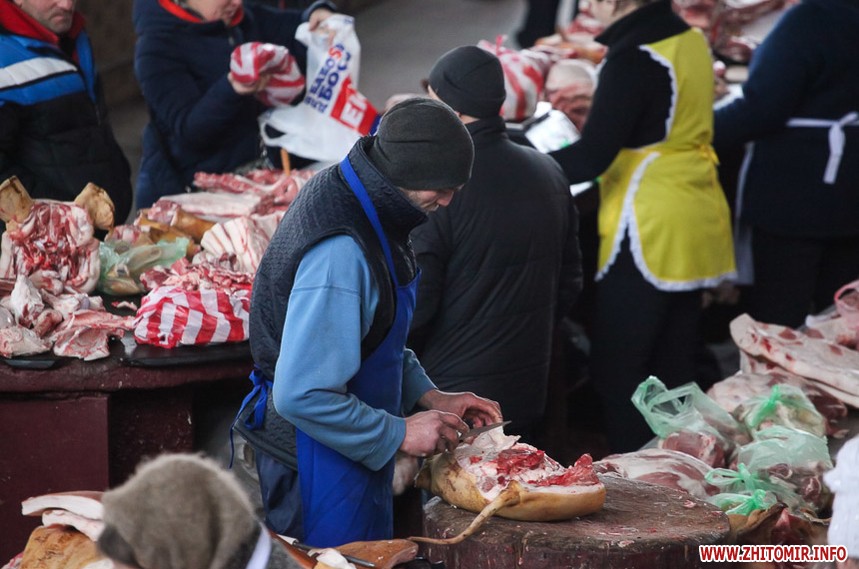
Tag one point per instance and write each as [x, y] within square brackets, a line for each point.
[501, 264]
[54, 132]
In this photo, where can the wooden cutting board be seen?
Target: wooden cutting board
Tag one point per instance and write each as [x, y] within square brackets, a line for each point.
[640, 526]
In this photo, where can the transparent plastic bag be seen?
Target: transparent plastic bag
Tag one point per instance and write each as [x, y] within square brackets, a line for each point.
[743, 481]
[122, 263]
[791, 457]
[743, 504]
[686, 419]
[333, 113]
[785, 405]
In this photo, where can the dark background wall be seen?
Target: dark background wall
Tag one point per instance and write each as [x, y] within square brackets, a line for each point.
[109, 25]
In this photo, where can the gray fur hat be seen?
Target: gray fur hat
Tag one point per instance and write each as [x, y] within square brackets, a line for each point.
[179, 511]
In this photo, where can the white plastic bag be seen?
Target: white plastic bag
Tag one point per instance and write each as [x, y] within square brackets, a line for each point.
[333, 114]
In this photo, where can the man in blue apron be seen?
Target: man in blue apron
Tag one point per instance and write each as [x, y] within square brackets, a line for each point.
[331, 307]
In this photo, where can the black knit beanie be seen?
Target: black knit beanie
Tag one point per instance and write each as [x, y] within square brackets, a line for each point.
[470, 80]
[422, 145]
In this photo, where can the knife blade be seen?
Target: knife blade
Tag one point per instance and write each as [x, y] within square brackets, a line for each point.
[479, 430]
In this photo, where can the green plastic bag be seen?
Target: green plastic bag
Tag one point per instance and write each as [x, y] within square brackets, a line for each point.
[785, 405]
[743, 481]
[122, 264]
[743, 504]
[688, 409]
[792, 458]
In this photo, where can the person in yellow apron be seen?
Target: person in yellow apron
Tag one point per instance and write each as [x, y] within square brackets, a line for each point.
[797, 201]
[664, 223]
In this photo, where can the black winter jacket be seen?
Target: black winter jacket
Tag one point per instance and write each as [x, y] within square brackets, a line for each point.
[806, 68]
[54, 132]
[499, 266]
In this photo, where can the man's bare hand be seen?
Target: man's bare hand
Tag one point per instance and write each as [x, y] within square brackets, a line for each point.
[317, 17]
[431, 432]
[478, 411]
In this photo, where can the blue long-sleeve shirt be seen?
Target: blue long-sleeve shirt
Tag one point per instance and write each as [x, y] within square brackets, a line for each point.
[330, 310]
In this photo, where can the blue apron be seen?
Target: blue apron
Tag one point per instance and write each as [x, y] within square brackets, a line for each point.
[342, 500]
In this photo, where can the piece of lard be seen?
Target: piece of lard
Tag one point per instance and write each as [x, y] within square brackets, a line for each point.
[496, 459]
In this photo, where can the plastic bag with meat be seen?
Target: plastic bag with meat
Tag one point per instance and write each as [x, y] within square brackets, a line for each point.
[743, 481]
[784, 405]
[792, 457]
[686, 420]
[735, 390]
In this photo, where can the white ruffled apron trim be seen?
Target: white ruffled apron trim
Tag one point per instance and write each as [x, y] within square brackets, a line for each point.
[629, 225]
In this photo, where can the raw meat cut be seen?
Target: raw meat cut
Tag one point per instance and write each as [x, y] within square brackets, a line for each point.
[19, 341]
[497, 474]
[87, 526]
[54, 242]
[834, 329]
[218, 206]
[246, 238]
[252, 61]
[281, 187]
[834, 367]
[172, 315]
[663, 467]
[85, 503]
[86, 334]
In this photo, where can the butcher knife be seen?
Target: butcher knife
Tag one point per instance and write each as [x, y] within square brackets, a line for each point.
[479, 430]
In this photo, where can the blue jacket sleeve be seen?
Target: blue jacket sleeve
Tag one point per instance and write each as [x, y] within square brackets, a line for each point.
[415, 381]
[331, 308]
[193, 116]
[779, 75]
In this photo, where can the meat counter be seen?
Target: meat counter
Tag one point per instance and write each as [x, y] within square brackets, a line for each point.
[85, 425]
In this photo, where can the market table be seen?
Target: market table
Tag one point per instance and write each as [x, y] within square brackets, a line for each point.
[85, 425]
[640, 526]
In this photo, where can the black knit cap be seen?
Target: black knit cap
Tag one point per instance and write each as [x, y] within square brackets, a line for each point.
[422, 145]
[470, 80]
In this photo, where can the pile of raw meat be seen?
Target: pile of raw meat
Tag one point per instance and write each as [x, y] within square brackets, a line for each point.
[228, 226]
[49, 264]
[757, 443]
[71, 524]
[734, 28]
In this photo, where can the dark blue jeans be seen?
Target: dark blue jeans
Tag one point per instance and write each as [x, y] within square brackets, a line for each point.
[281, 496]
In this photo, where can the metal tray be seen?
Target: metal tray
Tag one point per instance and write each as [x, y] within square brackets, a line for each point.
[143, 355]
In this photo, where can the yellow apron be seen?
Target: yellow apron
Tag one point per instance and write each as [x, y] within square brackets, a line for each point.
[666, 196]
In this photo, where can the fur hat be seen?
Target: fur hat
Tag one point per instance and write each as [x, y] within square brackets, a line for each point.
[470, 80]
[422, 145]
[179, 511]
